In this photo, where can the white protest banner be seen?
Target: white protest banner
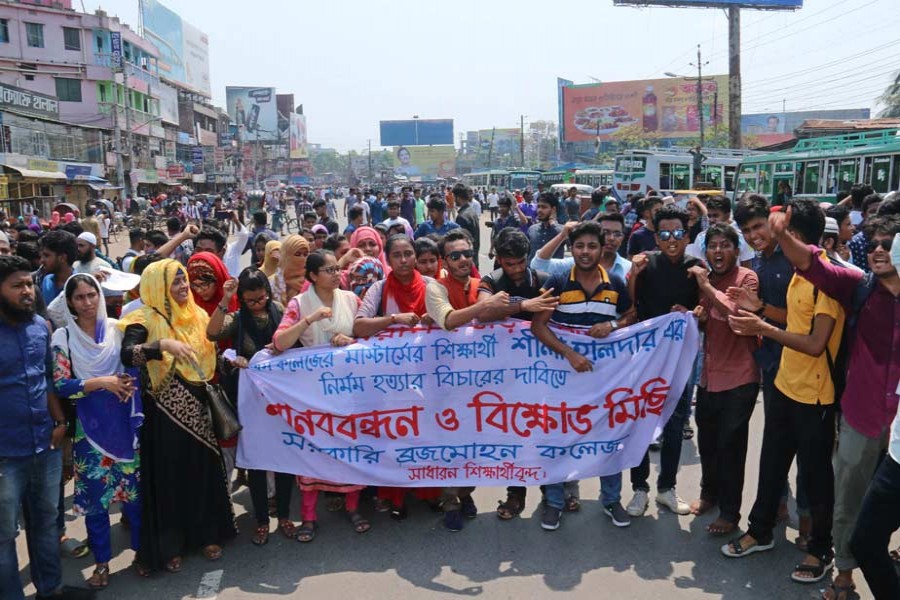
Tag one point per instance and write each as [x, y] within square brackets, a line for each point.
[482, 405]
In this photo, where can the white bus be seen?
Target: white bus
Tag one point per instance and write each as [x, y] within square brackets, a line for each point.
[594, 177]
[668, 169]
[495, 178]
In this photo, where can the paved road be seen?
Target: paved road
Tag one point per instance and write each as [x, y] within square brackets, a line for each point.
[660, 556]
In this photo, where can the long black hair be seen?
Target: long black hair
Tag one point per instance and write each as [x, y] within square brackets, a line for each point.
[252, 279]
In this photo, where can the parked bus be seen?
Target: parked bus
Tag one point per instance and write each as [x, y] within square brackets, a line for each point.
[594, 177]
[822, 167]
[524, 179]
[555, 176]
[495, 178]
[667, 169]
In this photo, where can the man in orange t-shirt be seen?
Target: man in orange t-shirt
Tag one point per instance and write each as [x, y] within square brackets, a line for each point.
[451, 203]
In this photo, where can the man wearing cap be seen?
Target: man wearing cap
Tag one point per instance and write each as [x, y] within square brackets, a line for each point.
[831, 241]
[88, 260]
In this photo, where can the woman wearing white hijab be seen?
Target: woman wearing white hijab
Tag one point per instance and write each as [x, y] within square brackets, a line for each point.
[88, 371]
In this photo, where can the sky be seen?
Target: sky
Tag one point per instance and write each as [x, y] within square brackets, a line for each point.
[485, 63]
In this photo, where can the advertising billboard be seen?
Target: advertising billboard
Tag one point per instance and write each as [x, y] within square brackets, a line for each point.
[505, 141]
[757, 4]
[298, 145]
[168, 102]
[425, 161]
[664, 106]
[777, 127]
[255, 109]
[183, 49]
[285, 105]
[417, 132]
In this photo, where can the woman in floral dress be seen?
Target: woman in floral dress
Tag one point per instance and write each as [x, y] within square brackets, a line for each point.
[88, 370]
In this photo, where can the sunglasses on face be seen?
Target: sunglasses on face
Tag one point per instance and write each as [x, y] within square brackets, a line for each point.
[460, 254]
[665, 236]
[874, 244]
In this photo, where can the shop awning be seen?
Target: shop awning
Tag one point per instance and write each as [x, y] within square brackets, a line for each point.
[100, 187]
[35, 174]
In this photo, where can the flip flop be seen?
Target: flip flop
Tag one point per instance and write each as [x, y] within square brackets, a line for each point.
[73, 548]
[360, 523]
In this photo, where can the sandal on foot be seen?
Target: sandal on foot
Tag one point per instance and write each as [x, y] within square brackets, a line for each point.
[513, 507]
[687, 433]
[573, 504]
[399, 514]
[841, 592]
[174, 565]
[734, 549]
[100, 578]
[307, 531]
[721, 527]
[214, 552]
[73, 548]
[287, 528]
[817, 572]
[140, 569]
[260, 535]
[359, 522]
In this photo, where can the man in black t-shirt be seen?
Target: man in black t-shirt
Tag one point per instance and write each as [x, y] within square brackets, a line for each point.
[466, 217]
[660, 284]
[523, 286]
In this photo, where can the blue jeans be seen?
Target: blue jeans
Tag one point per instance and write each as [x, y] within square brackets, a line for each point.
[610, 492]
[34, 482]
[670, 453]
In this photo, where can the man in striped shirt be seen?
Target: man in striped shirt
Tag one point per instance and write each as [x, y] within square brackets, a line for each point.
[597, 303]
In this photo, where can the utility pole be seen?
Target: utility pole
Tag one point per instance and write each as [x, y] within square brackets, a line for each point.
[370, 162]
[491, 147]
[127, 186]
[522, 139]
[698, 152]
[734, 77]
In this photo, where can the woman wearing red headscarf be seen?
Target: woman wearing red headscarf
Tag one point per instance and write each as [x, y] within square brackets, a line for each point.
[208, 274]
[398, 299]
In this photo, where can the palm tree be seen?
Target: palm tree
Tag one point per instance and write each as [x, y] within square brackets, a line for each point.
[891, 99]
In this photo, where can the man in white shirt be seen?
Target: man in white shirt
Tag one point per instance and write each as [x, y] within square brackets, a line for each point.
[493, 202]
[88, 261]
[105, 223]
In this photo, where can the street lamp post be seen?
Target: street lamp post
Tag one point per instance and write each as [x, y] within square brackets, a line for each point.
[698, 151]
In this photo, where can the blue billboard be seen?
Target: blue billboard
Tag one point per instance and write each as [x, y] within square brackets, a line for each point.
[763, 4]
[417, 132]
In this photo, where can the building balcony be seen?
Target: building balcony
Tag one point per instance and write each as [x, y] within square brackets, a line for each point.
[133, 70]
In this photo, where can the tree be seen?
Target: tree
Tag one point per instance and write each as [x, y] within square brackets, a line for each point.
[633, 136]
[891, 99]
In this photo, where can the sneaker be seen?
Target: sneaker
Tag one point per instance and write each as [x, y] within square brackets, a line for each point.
[670, 500]
[468, 508]
[617, 514]
[551, 518]
[453, 520]
[639, 503]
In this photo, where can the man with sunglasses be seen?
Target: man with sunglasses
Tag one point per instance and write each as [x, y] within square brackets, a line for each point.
[869, 402]
[452, 302]
[660, 284]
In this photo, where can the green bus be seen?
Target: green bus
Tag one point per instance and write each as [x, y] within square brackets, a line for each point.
[822, 167]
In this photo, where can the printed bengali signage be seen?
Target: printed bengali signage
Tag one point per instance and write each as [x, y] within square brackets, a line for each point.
[485, 404]
[299, 147]
[183, 49]
[27, 102]
[255, 109]
[667, 107]
[425, 161]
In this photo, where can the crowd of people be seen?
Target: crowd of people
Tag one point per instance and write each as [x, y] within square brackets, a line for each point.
[107, 362]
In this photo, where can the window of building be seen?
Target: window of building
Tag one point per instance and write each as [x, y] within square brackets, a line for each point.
[102, 92]
[4, 31]
[34, 33]
[71, 38]
[68, 90]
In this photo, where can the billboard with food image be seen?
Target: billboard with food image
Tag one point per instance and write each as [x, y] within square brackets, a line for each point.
[667, 107]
